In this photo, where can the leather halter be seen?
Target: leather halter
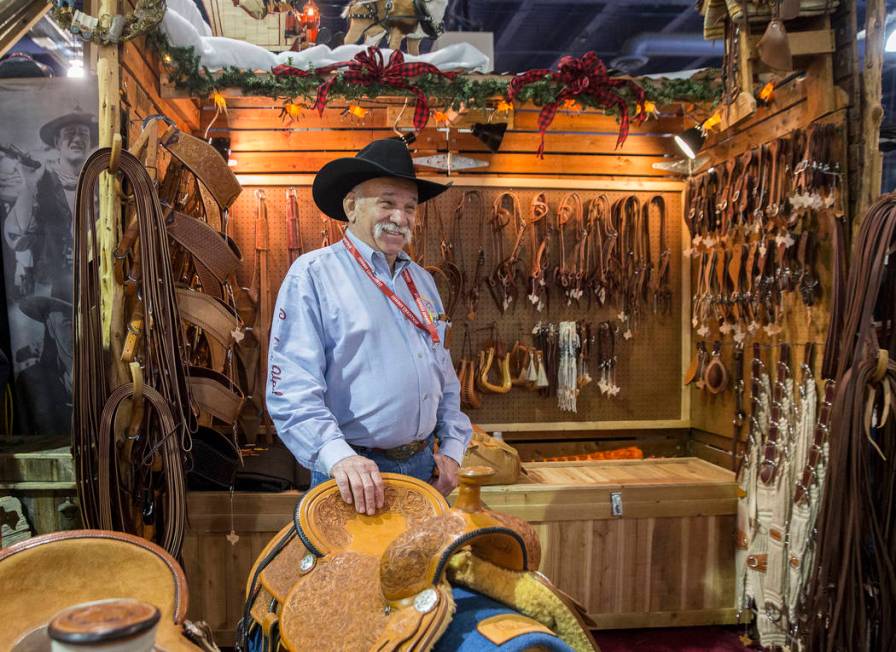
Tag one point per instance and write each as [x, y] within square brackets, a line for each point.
[538, 252]
[447, 270]
[659, 273]
[473, 285]
[570, 276]
[503, 279]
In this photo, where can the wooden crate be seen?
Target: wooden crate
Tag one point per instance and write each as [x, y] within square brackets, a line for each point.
[39, 472]
[669, 560]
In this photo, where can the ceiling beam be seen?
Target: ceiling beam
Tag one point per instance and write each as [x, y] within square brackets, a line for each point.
[17, 18]
[508, 32]
[679, 20]
[584, 34]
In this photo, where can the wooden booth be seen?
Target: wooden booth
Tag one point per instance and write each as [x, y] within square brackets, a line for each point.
[666, 339]
[619, 536]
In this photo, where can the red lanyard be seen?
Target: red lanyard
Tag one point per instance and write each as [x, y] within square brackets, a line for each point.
[427, 327]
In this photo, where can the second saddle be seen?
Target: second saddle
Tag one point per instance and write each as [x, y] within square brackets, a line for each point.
[337, 580]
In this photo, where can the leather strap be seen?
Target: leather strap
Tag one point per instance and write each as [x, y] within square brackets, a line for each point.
[293, 231]
[158, 472]
[218, 253]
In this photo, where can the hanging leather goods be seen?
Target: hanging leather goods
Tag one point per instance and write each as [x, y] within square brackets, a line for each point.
[492, 352]
[587, 341]
[293, 228]
[541, 381]
[774, 46]
[502, 280]
[567, 388]
[692, 373]
[161, 440]
[473, 286]
[467, 374]
[602, 241]
[659, 274]
[569, 275]
[703, 360]
[520, 363]
[715, 376]
[606, 339]
[538, 291]
[264, 316]
[448, 276]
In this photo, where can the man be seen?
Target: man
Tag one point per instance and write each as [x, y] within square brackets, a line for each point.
[17, 215]
[73, 136]
[47, 379]
[359, 378]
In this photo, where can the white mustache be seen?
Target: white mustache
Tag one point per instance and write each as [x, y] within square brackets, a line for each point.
[392, 229]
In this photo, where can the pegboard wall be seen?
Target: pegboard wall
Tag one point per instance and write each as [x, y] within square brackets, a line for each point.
[649, 367]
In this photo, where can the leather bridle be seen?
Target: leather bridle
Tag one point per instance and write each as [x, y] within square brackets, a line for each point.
[165, 433]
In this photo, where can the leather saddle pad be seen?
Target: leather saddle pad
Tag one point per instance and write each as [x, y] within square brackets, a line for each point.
[55, 571]
[335, 579]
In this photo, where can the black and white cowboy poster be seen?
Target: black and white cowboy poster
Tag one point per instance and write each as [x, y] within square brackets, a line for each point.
[48, 128]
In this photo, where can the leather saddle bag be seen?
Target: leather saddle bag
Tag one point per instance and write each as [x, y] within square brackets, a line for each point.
[485, 450]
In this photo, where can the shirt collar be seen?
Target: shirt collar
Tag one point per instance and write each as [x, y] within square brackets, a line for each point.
[372, 255]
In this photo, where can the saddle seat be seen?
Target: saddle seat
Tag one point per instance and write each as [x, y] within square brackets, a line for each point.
[50, 573]
[338, 580]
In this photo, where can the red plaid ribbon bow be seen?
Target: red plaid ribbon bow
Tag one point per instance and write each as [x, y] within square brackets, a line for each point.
[584, 76]
[369, 68]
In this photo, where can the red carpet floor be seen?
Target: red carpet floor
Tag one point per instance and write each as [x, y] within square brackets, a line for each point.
[681, 639]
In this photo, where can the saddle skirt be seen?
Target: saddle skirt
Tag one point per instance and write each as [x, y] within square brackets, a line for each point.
[338, 580]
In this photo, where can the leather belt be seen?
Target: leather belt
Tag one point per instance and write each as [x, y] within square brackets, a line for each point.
[399, 453]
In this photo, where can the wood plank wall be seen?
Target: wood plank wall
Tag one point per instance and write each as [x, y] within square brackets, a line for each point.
[140, 89]
[814, 98]
[578, 144]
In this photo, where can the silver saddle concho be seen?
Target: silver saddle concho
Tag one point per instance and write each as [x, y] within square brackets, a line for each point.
[338, 580]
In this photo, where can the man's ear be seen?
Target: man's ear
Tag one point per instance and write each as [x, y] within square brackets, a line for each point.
[349, 203]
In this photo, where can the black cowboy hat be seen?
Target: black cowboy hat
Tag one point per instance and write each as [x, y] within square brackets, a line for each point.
[39, 308]
[388, 157]
[50, 130]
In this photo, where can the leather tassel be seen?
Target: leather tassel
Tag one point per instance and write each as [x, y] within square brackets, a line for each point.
[532, 373]
[542, 376]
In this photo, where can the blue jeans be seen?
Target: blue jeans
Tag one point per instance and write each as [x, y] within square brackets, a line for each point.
[420, 465]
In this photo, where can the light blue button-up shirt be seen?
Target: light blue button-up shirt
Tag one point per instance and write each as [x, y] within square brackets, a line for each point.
[346, 367]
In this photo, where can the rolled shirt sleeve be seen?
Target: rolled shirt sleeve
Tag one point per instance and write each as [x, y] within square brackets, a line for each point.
[297, 386]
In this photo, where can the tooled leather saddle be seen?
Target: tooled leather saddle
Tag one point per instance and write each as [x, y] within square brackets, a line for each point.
[334, 579]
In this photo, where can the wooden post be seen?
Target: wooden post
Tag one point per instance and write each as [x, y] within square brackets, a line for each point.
[872, 111]
[109, 225]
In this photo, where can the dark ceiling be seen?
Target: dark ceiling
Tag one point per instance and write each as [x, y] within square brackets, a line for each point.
[640, 36]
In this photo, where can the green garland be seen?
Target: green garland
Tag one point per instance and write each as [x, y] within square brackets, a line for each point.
[186, 73]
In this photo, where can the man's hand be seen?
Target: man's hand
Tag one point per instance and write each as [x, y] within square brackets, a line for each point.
[445, 476]
[360, 482]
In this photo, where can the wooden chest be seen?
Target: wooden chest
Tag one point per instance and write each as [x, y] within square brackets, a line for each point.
[668, 559]
[641, 543]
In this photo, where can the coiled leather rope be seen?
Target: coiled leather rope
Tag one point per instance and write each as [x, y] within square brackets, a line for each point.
[852, 596]
[155, 491]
